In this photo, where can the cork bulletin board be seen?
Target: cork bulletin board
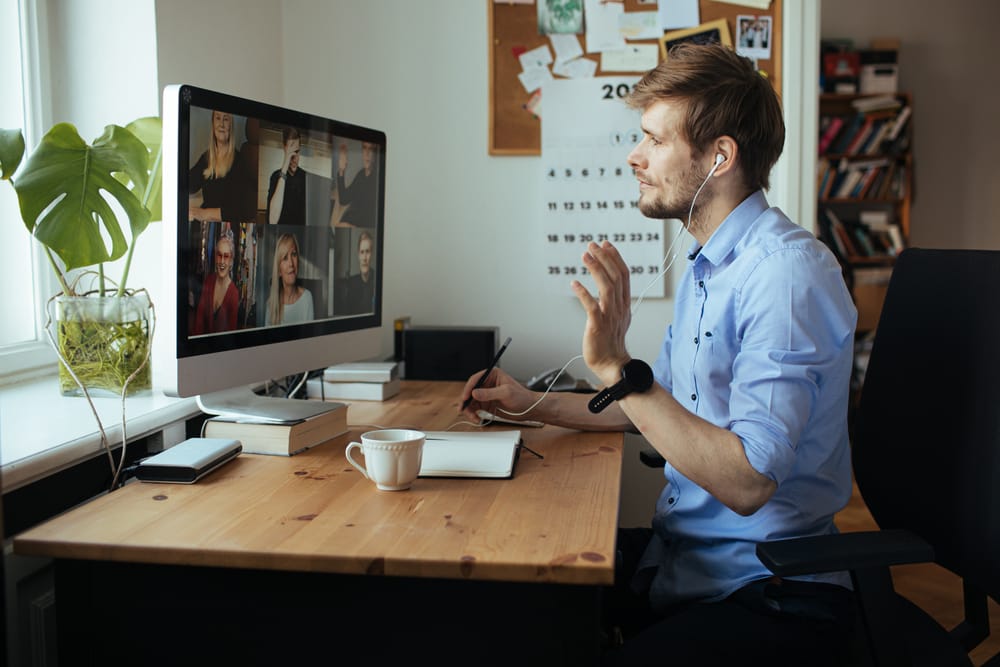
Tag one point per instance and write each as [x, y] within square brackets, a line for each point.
[513, 28]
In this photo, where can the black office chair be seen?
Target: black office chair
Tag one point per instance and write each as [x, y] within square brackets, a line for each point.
[926, 456]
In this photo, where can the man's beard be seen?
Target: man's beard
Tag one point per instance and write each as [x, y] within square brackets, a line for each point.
[679, 206]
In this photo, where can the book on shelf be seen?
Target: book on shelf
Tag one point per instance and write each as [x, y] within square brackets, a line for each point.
[318, 389]
[864, 242]
[846, 136]
[486, 453]
[280, 438]
[896, 236]
[846, 185]
[896, 131]
[861, 136]
[842, 239]
[876, 102]
[830, 132]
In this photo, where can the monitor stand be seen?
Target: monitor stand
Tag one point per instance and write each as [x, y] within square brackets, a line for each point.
[243, 403]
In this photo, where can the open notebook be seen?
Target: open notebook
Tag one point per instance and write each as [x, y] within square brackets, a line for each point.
[470, 454]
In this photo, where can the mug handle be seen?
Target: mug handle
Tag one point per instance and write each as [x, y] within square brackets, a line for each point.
[347, 453]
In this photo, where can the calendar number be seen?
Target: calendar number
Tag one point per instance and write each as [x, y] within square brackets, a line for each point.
[615, 92]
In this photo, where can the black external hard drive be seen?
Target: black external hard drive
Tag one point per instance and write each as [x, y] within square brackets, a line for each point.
[188, 461]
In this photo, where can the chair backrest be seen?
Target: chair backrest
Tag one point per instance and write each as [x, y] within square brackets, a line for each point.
[926, 450]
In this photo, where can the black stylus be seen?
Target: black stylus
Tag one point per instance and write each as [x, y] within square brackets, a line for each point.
[486, 374]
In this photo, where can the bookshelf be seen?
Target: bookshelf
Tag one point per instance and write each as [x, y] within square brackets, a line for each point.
[864, 179]
[864, 190]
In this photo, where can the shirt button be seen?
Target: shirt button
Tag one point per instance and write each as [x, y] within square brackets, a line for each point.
[695, 340]
[708, 334]
[701, 283]
[694, 397]
[670, 501]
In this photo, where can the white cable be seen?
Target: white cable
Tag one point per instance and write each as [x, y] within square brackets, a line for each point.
[659, 275]
[547, 390]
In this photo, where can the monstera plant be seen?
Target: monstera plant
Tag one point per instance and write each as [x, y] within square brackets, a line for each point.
[71, 195]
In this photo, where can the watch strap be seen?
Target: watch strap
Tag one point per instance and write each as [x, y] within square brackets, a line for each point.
[606, 397]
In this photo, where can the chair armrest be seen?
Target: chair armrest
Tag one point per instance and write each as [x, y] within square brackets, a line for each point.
[843, 551]
[651, 457]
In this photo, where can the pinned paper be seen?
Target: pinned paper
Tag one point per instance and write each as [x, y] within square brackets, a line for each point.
[753, 36]
[756, 4]
[602, 26]
[579, 68]
[566, 47]
[674, 14]
[639, 25]
[633, 58]
[559, 16]
[537, 57]
[534, 78]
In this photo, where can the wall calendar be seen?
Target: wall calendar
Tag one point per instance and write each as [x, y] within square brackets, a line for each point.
[589, 192]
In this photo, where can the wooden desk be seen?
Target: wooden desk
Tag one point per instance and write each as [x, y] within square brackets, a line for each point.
[273, 548]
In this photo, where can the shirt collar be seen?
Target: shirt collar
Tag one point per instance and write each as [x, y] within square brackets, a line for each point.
[732, 229]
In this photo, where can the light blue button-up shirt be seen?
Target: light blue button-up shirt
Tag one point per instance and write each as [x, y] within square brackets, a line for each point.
[761, 345]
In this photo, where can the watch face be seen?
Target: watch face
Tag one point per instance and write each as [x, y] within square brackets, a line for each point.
[638, 375]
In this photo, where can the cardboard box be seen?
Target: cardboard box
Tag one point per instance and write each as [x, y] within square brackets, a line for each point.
[879, 72]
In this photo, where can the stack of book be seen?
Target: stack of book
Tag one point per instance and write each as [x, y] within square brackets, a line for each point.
[263, 436]
[356, 381]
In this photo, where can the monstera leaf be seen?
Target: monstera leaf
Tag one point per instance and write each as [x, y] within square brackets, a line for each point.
[11, 152]
[150, 132]
[61, 191]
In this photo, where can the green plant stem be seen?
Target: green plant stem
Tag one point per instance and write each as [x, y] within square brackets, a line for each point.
[145, 202]
[67, 290]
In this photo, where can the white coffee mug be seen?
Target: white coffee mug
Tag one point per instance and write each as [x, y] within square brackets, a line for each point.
[392, 457]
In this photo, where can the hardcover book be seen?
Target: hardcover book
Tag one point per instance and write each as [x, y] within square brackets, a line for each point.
[282, 439]
[362, 371]
[351, 391]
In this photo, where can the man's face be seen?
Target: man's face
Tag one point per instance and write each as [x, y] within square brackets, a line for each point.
[294, 146]
[367, 155]
[664, 164]
[365, 255]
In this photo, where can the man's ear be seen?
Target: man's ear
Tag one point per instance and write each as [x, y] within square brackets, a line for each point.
[726, 147]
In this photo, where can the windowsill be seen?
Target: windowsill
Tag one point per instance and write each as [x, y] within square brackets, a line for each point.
[42, 432]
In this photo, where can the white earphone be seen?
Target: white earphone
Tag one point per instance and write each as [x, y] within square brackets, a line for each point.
[719, 159]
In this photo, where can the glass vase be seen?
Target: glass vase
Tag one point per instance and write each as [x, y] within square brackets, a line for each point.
[105, 340]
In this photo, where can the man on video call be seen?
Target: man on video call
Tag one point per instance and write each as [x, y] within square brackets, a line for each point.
[747, 400]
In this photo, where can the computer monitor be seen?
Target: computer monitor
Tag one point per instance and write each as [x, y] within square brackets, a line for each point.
[273, 237]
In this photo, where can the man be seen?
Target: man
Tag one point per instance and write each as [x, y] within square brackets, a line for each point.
[286, 192]
[749, 402]
[360, 287]
[360, 197]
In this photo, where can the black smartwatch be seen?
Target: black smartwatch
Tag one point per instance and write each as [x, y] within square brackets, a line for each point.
[637, 377]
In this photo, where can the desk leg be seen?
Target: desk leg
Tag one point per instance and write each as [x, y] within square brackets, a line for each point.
[119, 613]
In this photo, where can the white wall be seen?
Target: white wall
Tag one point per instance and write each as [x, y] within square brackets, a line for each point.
[948, 62]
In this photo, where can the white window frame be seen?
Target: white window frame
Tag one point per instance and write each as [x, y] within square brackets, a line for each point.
[34, 358]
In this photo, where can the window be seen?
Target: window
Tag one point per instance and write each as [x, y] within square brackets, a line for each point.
[23, 344]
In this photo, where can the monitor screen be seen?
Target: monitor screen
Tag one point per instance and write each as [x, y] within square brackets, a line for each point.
[273, 238]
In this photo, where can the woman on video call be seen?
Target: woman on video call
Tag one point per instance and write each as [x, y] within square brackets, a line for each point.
[287, 302]
[224, 177]
[218, 306]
